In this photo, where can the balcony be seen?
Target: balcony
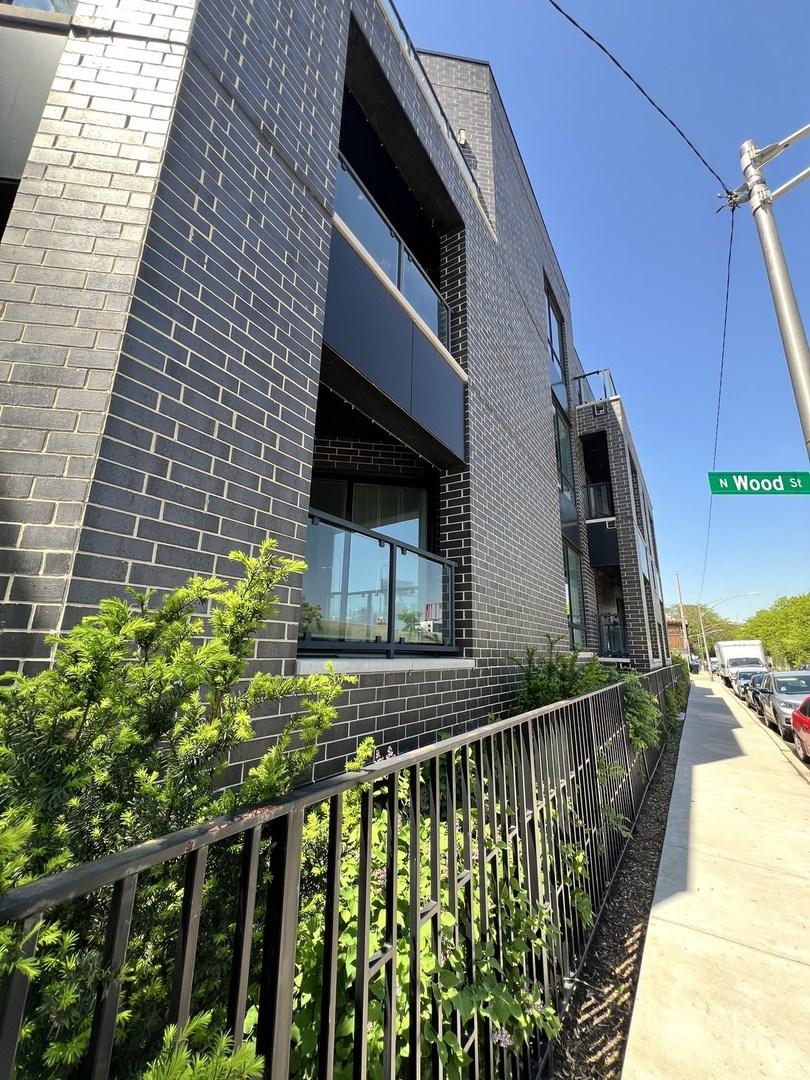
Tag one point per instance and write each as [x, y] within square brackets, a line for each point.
[386, 331]
[358, 211]
[612, 635]
[593, 386]
[364, 592]
[600, 501]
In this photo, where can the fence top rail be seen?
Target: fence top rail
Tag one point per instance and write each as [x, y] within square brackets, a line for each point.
[36, 896]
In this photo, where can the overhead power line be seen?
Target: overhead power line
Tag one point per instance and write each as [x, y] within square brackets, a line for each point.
[643, 92]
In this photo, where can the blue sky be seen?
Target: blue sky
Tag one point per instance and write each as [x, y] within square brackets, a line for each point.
[631, 213]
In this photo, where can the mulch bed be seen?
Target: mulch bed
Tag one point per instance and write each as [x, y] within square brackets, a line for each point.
[596, 1024]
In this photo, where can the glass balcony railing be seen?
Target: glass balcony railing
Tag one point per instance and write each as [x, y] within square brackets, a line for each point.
[593, 386]
[612, 635]
[357, 209]
[363, 591]
[600, 501]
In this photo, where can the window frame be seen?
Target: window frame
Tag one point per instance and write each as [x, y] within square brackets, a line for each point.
[580, 624]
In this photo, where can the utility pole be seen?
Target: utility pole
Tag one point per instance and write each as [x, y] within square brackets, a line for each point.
[794, 338]
[683, 620]
[705, 643]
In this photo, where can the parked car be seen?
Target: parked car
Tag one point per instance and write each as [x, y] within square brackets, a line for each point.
[741, 679]
[801, 731]
[781, 693]
[752, 693]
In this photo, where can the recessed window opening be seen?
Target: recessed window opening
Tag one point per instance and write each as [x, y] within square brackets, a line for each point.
[556, 351]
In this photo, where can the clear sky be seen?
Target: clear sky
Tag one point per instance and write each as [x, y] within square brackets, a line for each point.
[631, 214]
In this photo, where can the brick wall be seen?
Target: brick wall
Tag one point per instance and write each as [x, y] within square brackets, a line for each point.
[170, 382]
[68, 264]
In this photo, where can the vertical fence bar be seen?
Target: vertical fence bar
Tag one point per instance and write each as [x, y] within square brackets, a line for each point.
[13, 998]
[434, 904]
[326, 1034]
[451, 824]
[243, 934]
[187, 938]
[391, 894]
[119, 923]
[278, 955]
[482, 914]
[468, 892]
[361, 978]
[414, 918]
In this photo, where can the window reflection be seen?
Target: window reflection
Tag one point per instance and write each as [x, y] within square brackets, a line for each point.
[345, 589]
[57, 7]
[360, 590]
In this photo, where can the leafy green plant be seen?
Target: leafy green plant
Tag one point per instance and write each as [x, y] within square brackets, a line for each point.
[641, 713]
[556, 676]
[121, 740]
[199, 1053]
[501, 992]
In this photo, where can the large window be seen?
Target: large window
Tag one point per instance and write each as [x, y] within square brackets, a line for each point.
[29, 57]
[574, 602]
[556, 352]
[370, 584]
[565, 468]
[399, 511]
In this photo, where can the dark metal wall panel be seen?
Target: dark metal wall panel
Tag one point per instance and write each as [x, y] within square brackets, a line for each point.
[437, 399]
[603, 544]
[368, 329]
[366, 326]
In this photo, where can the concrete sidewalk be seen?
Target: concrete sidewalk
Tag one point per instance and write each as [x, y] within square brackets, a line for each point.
[725, 978]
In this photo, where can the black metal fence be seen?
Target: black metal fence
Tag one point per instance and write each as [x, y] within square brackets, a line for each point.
[410, 919]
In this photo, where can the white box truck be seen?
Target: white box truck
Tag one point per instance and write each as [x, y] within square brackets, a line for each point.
[733, 655]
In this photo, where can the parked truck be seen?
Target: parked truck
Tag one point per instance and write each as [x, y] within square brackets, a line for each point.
[733, 655]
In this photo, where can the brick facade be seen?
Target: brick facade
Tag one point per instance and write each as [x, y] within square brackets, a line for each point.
[164, 274]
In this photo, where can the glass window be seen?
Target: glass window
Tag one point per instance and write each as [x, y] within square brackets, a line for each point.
[575, 604]
[330, 497]
[565, 469]
[556, 354]
[399, 511]
[57, 7]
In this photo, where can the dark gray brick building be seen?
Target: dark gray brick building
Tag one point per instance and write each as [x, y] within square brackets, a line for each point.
[264, 270]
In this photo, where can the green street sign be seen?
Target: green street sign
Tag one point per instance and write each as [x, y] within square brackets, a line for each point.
[759, 483]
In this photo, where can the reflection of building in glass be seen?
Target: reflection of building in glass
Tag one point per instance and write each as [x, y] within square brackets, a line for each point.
[258, 288]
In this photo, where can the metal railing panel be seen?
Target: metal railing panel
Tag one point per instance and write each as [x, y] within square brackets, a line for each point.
[443, 830]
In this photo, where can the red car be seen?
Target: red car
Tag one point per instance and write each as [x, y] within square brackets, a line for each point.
[800, 722]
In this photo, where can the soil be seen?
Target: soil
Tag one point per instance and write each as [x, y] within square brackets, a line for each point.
[597, 1022]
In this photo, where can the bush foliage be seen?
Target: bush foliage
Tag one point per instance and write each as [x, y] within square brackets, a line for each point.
[121, 740]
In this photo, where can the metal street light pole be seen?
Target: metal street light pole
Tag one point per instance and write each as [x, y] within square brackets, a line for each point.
[794, 338]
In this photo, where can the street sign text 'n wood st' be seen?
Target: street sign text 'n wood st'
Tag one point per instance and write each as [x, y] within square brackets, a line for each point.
[759, 483]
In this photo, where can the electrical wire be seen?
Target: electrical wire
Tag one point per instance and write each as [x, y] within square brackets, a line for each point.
[642, 91]
[732, 205]
[719, 398]
[725, 329]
